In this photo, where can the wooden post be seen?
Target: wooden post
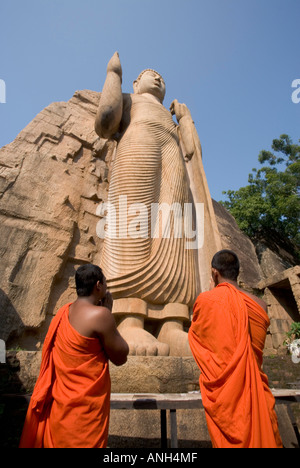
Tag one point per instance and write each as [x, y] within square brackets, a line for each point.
[174, 440]
[163, 428]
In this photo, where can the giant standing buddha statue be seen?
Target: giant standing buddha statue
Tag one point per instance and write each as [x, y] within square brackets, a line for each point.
[154, 271]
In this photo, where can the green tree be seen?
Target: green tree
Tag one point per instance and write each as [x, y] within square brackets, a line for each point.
[270, 204]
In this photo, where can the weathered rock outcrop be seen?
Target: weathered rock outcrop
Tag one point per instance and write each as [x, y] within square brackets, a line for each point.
[233, 238]
[275, 254]
[52, 178]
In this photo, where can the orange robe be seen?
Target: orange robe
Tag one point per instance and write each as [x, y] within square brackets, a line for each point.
[227, 338]
[70, 404]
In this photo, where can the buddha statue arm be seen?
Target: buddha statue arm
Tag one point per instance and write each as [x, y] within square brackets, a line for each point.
[110, 108]
[186, 127]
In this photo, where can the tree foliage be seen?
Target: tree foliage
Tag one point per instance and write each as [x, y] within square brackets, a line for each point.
[270, 204]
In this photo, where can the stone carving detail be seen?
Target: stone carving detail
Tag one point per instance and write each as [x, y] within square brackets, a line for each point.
[149, 275]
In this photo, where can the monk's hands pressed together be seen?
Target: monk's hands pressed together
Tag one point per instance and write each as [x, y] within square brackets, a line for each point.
[179, 110]
[107, 301]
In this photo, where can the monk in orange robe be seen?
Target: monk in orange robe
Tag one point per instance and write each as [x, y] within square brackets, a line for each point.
[70, 404]
[227, 338]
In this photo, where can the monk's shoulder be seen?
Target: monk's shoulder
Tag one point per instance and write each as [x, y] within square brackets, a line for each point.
[99, 313]
[101, 319]
[215, 295]
[90, 319]
[256, 299]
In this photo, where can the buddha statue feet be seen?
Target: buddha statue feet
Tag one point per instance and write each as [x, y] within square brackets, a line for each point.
[172, 333]
[140, 342]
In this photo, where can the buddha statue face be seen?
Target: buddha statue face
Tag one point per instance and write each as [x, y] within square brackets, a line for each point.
[151, 82]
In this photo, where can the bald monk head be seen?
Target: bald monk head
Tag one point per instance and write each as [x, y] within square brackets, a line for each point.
[225, 267]
[90, 280]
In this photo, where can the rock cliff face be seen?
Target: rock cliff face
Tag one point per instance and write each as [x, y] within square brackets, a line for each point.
[53, 177]
[234, 239]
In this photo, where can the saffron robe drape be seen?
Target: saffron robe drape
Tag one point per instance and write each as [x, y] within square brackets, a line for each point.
[227, 338]
[70, 404]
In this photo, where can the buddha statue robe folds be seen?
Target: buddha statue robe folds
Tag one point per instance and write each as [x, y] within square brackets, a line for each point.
[148, 256]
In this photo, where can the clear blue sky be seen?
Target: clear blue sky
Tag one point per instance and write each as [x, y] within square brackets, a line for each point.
[231, 61]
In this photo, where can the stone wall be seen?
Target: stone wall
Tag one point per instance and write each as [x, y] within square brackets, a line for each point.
[282, 294]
